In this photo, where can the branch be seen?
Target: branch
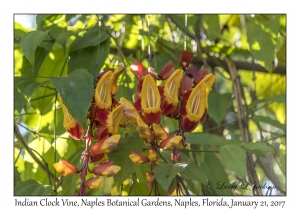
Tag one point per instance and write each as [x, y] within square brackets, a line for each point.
[211, 60]
[243, 123]
[29, 150]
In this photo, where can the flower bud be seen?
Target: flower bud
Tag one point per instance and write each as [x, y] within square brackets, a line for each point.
[65, 168]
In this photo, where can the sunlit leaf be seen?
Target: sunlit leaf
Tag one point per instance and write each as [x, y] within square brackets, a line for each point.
[277, 98]
[212, 25]
[262, 37]
[17, 177]
[77, 92]
[29, 43]
[31, 188]
[235, 158]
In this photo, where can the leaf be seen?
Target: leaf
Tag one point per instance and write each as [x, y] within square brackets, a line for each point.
[218, 104]
[277, 98]
[29, 43]
[215, 173]
[212, 25]
[262, 37]
[24, 87]
[208, 139]
[235, 158]
[17, 177]
[120, 156]
[40, 18]
[253, 146]
[270, 121]
[31, 188]
[87, 58]
[90, 38]
[42, 99]
[77, 92]
[165, 172]
[54, 64]
[193, 172]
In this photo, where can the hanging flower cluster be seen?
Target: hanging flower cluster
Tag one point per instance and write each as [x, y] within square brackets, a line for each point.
[183, 97]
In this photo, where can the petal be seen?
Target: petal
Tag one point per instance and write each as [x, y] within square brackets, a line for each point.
[115, 83]
[196, 102]
[143, 130]
[167, 106]
[171, 142]
[152, 115]
[116, 115]
[102, 116]
[138, 158]
[103, 92]
[192, 71]
[128, 109]
[76, 131]
[189, 124]
[99, 169]
[93, 183]
[65, 168]
[149, 95]
[186, 84]
[137, 68]
[103, 131]
[167, 70]
[137, 105]
[159, 132]
[111, 171]
[200, 75]
[150, 176]
[99, 158]
[185, 58]
[110, 143]
[153, 156]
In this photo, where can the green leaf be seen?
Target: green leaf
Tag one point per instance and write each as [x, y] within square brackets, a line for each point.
[77, 92]
[31, 188]
[54, 65]
[90, 38]
[42, 99]
[262, 37]
[270, 121]
[235, 158]
[193, 172]
[253, 146]
[120, 156]
[87, 58]
[165, 172]
[208, 139]
[30, 42]
[24, 87]
[212, 25]
[277, 98]
[218, 104]
[40, 18]
[215, 173]
[17, 177]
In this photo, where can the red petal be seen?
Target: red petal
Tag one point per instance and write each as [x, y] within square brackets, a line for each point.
[192, 71]
[76, 132]
[140, 85]
[185, 58]
[137, 105]
[187, 94]
[153, 117]
[161, 90]
[166, 71]
[185, 84]
[167, 108]
[204, 116]
[183, 109]
[102, 116]
[188, 125]
[137, 68]
[200, 75]
[101, 132]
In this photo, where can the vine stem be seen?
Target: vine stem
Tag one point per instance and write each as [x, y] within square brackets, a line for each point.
[30, 152]
[243, 124]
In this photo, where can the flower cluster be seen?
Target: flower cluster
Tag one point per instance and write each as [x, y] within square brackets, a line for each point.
[182, 96]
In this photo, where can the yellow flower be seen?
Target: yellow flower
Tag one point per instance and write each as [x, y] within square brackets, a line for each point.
[170, 92]
[106, 145]
[153, 156]
[150, 100]
[93, 183]
[129, 111]
[159, 132]
[70, 124]
[209, 80]
[103, 92]
[138, 158]
[144, 130]
[171, 142]
[65, 168]
[106, 169]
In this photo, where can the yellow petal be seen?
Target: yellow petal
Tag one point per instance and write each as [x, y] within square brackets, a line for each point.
[136, 159]
[111, 170]
[171, 87]
[93, 183]
[159, 133]
[150, 95]
[129, 111]
[103, 92]
[173, 142]
[110, 143]
[143, 129]
[196, 101]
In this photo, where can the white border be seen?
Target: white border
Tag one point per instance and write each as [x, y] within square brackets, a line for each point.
[153, 6]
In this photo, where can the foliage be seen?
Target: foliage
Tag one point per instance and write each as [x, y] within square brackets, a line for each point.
[65, 56]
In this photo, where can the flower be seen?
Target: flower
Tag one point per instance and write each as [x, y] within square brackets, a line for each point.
[106, 145]
[150, 100]
[185, 58]
[167, 71]
[107, 169]
[153, 156]
[170, 92]
[70, 124]
[171, 142]
[138, 158]
[93, 183]
[159, 132]
[129, 111]
[110, 121]
[144, 130]
[65, 168]
[103, 92]
[116, 77]
[193, 109]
